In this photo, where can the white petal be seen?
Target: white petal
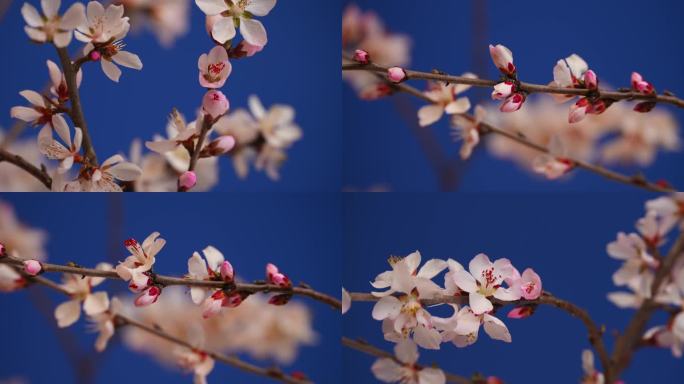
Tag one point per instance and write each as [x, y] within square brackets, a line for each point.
[214, 257]
[68, 313]
[62, 39]
[111, 70]
[125, 171]
[128, 59]
[78, 138]
[25, 114]
[431, 268]
[256, 107]
[624, 299]
[478, 265]
[260, 7]
[111, 161]
[50, 7]
[36, 34]
[429, 114]
[197, 267]
[253, 31]
[387, 370]
[507, 294]
[212, 7]
[33, 97]
[460, 105]
[467, 322]
[31, 15]
[223, 30]
[346, 301]
[73, 17]
[406, 351]
[496, 329]
[427, 338]
[96, 303]
[55, 73]
[197, 294]
[387, 307]
[62, 129]
[465, 281]
[431, 376]
[479, 303]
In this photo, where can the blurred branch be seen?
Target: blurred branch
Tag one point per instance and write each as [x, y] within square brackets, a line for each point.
[40, 174]
[184, 281]
[367, 348]
[273, 373]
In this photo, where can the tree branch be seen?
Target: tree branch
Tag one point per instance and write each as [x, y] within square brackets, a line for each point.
[40, 174]
[76, 112]
[367, 348]
[171, 280]
[595, 332]
[628, 342]
[527, 87]
[484, 128]
[273, 373]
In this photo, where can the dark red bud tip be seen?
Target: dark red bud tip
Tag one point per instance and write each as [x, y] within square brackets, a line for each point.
[130, 243]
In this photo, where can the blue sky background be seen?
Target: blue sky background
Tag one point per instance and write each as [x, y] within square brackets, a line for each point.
[562, 237]
[301, 234]
[614, 37]
[299, 66]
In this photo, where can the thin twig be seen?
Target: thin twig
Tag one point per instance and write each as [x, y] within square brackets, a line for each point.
[171, 280]
[527, 87]
[273, 373]
[636, 181]
[595, 332]
[367, 348]
[39, 173]
[76, 112]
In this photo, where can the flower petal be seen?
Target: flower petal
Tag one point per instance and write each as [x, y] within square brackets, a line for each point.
[387, 307]
[212, 7]
[68, 313]
[260, 7]
[128, 59]
[253, 31]
[96, 303]
[223, 30]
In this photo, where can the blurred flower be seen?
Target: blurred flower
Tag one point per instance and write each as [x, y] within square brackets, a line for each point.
[237, 14]
[80, 290]
[404, 369]
[51, 26]
[445, 98]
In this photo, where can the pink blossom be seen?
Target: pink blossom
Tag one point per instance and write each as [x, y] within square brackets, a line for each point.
[396, 74]
[148, 297]
[215, 103]
[590, 80]
[273, 276]
[212, 304]
[513, 102]
[485, 279]
[520, 312]
[578, 110]
[3, 250]
[246, 49]
[232, 300]
[529, 284]
[503, 90]
[227, 273]
[214, 68]
[641, 85]
[32, 267]
[187, 180]
[361, 56]
[502, 58]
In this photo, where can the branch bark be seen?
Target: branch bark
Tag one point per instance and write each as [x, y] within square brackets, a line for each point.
[39, 173]
[171, 280]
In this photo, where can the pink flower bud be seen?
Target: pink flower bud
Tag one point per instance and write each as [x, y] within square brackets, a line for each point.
[520, 312]
[641, 85]
[233, 300]
[598, 107]
[578, 110]
[247, 49]
[274, 276]
[375, 91]
[32, 267]
[212, 304]
[95, 55]
[645, 106]
[215, 103]
[221, 145]
[187, 180]
[590, 80]
[361, 56]
[396, 74]
[3, 250]
[531, 285]
[513, 103]
[280, 299]
[503, 90]
[148, 297]
[502, 58]
[227, 272]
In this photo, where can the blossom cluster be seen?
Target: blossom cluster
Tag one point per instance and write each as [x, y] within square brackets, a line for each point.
[475, 295]
[186, 159]
[641, 258]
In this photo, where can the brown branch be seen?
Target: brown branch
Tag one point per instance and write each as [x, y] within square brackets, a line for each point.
[628, 342]
[39, 173]
[76, 112]
[595, 331]
[171, 280]
[369, 349]
[273, 373]
[527, 87]
[484, 128]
